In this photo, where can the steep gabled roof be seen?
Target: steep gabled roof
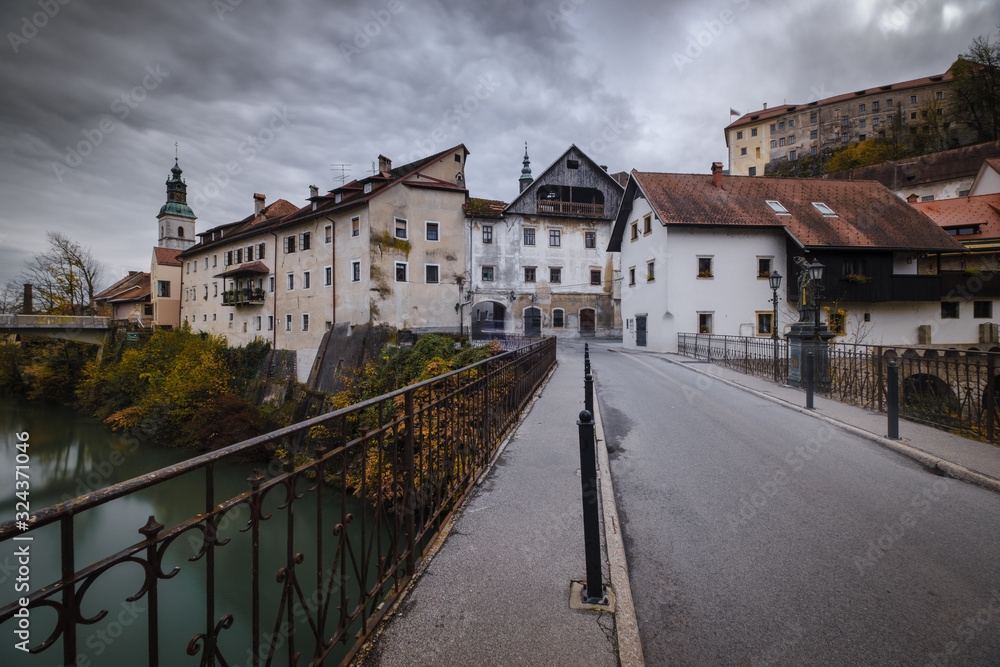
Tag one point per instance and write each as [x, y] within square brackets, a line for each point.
[252, 224]
[982, 211]
[542, 179]
[958, 163]
[989, 164]
[866, 214]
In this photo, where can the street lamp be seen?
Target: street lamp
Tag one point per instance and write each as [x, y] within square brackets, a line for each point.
[815, 275]
[774, 280]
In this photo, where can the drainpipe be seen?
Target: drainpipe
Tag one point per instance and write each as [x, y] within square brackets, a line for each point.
[274, 297]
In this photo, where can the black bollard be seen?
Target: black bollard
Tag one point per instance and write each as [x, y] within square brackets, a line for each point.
[594, 591]
[586, 358]
[810, 378]
[892, 399]
[588, 393]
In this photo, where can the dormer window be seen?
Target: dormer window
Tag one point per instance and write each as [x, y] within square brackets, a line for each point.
[777, 207]
[824, 209]
[337, 197]
[368, 188]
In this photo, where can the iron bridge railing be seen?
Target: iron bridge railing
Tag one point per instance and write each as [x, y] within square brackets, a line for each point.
[947, 388]
[411, 456]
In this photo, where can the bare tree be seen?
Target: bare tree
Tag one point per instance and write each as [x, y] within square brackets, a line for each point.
[65, 277]
[977, 88]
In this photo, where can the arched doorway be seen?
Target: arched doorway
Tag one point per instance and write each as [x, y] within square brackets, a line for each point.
[532, 321]
[588, 322]
[488, 319]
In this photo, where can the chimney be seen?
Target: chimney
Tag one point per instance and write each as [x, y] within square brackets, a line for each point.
[313, 191]
[258, 203]
[604, 167]
[384, 163]
[765, 106]
[912, 199]
[28, 306]
[717, 174]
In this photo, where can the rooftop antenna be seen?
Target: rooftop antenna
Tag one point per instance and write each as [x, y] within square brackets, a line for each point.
[344, 169]
[374, 169]
[175, 151]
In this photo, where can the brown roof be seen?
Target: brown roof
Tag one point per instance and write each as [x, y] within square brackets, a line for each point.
[983, 210]
[270, 216]
[867, 214]
[133, 287]
[484, 208]
[250, 267]
[763, 114]
[167, 256]
[944, 166]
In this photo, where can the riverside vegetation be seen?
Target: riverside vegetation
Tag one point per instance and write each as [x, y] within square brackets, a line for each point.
[185, 389]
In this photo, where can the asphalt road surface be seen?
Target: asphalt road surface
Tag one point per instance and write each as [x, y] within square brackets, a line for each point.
[757, 535]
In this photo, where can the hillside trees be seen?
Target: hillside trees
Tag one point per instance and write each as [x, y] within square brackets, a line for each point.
[977, 88]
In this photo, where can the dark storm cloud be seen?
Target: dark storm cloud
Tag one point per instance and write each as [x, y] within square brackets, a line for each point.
[265, 96]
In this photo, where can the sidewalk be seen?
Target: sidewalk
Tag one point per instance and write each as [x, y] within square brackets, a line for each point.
[498, 590]
[952, 455]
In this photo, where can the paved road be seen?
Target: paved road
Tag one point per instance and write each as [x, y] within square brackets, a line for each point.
[757, 535]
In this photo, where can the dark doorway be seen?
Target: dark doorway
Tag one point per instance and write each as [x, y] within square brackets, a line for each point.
[588, 322]
[532, 322]
[640, 330]
[487, 319]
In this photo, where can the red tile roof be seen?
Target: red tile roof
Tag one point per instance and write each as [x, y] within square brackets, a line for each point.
[167, 256]
[867, 214]
[944, 166]
[133, 287]
[250, 267]
[269, 217]
[484, 208]
[983, 210]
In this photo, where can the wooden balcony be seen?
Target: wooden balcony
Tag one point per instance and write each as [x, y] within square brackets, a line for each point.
[569, 208]
[243, 297]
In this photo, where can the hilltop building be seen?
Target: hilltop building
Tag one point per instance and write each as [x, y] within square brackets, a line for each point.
[759, 140]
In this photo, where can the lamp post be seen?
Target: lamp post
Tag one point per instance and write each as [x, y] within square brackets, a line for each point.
[775, 282]
[815, 275]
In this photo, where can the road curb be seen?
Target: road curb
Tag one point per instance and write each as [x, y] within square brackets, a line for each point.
[930, 461]
[626, 622]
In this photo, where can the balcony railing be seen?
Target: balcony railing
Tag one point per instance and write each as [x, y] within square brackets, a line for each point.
[568, 207]
[243, 297]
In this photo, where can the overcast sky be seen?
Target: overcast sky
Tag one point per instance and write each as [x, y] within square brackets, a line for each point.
[263, 96]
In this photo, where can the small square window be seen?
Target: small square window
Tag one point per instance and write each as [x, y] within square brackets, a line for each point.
[572, 164]
[753, 132]
[949, 310]
[400, 228]
[595, 276]
[306, 280]
[557, 317]
[913, 99]
[529, 274]
[705, 323]
[739, 134]
[487, 233]
[432, 273]
[861, 123]
[764, 323]
[400, 272]
[590, 239]
[792, 155]
[704, 267]
[774, 127]
[812, 150]
[774, 143]
[791, 123]
[432, 231]
[812, 117]
[938, 95]
[861, 108]
[781, 126]
[752, 171]
[487, 274]
[982, 309]
[743, 151]
[290, 282]
[305, 241]
[555, 237]
[888, 103]
[529, 236]
[635, 230]
[764, 267]
[555, 275]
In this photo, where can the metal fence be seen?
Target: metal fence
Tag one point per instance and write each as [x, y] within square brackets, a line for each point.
[411, 455]
[947, 388]
[508, 341]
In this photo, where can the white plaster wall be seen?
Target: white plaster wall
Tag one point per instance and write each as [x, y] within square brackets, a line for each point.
[895, 323]
[940, 189]
[674, 298]
[989, 184]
